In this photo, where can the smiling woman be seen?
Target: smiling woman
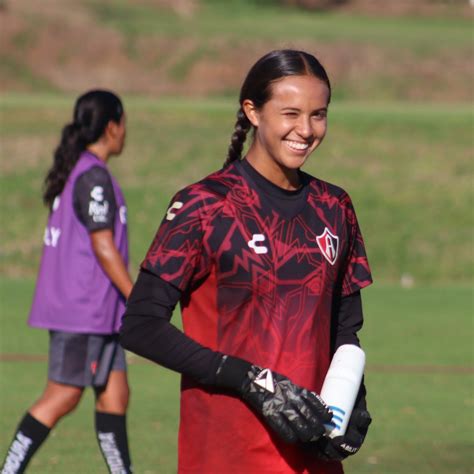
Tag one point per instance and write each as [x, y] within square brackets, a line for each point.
[288, 128]
[267, 263]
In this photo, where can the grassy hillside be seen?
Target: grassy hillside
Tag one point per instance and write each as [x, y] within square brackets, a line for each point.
[203, 47]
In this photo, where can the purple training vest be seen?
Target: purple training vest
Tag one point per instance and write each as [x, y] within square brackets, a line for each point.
[73, 293]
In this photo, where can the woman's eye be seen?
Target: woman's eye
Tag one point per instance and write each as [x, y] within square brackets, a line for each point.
[320, 115]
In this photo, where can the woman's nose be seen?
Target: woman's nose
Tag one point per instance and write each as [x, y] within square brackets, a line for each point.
[304, 128]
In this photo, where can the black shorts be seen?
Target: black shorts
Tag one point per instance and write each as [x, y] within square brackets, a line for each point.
[84, 359]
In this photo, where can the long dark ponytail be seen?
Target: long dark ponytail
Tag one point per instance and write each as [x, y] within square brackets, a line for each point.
[257, 88]
[92, 112]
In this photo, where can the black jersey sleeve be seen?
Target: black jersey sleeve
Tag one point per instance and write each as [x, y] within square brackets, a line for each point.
[94, 199]
[349, 320]
[147, 331]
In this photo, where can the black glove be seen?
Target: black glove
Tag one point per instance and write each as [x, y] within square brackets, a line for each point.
[338, 448]
[293, 412]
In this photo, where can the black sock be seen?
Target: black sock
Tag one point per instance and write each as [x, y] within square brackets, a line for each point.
[29, 436]
[112, 437]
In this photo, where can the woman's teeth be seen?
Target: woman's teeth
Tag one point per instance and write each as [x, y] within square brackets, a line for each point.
[297, 145]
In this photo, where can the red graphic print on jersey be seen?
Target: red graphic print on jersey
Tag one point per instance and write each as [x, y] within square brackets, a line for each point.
[261, 287]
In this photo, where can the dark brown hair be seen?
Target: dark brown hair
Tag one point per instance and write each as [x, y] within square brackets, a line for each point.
[92, 112]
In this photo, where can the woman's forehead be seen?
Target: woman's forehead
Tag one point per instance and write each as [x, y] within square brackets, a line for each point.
[296, 89]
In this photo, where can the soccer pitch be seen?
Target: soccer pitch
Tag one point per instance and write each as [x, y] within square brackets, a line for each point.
[419, 379]
[420, 360]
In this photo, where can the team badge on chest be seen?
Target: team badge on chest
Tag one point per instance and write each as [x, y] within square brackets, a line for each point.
[328, 243]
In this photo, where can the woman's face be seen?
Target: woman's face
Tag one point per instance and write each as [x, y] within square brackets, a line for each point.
[119, 132]
[292, 124]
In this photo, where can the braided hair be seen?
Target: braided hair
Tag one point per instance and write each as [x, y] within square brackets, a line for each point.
[257, 88]
[92, 112]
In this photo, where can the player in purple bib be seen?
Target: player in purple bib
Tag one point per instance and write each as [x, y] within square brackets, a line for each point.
[82, 285]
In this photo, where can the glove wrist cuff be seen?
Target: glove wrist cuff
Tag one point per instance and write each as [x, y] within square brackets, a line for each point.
[232, 372]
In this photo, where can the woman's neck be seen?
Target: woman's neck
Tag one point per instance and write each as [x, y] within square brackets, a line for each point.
[99, 150]
[285, 178]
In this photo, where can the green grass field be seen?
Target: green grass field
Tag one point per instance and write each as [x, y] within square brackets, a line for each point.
[414, 206]
[419, 378]
[410, 181]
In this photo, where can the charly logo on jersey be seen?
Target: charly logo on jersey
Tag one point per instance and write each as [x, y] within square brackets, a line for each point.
[256, 239]
[170, 215]
[98, 206]
[328, 243]
[97, 193]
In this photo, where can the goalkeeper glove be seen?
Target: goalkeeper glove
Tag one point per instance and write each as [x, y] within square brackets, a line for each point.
[293, 412]
[338, 448]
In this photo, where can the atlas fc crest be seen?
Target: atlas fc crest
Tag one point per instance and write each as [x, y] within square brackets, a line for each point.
[328, 243]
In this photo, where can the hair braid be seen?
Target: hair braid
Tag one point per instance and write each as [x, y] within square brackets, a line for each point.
[237, 140]
[65, 157]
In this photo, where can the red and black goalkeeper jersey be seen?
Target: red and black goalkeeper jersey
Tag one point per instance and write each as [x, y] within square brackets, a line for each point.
[258, 284]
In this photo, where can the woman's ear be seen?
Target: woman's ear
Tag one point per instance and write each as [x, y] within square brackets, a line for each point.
[251, 112]
[111, 129]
